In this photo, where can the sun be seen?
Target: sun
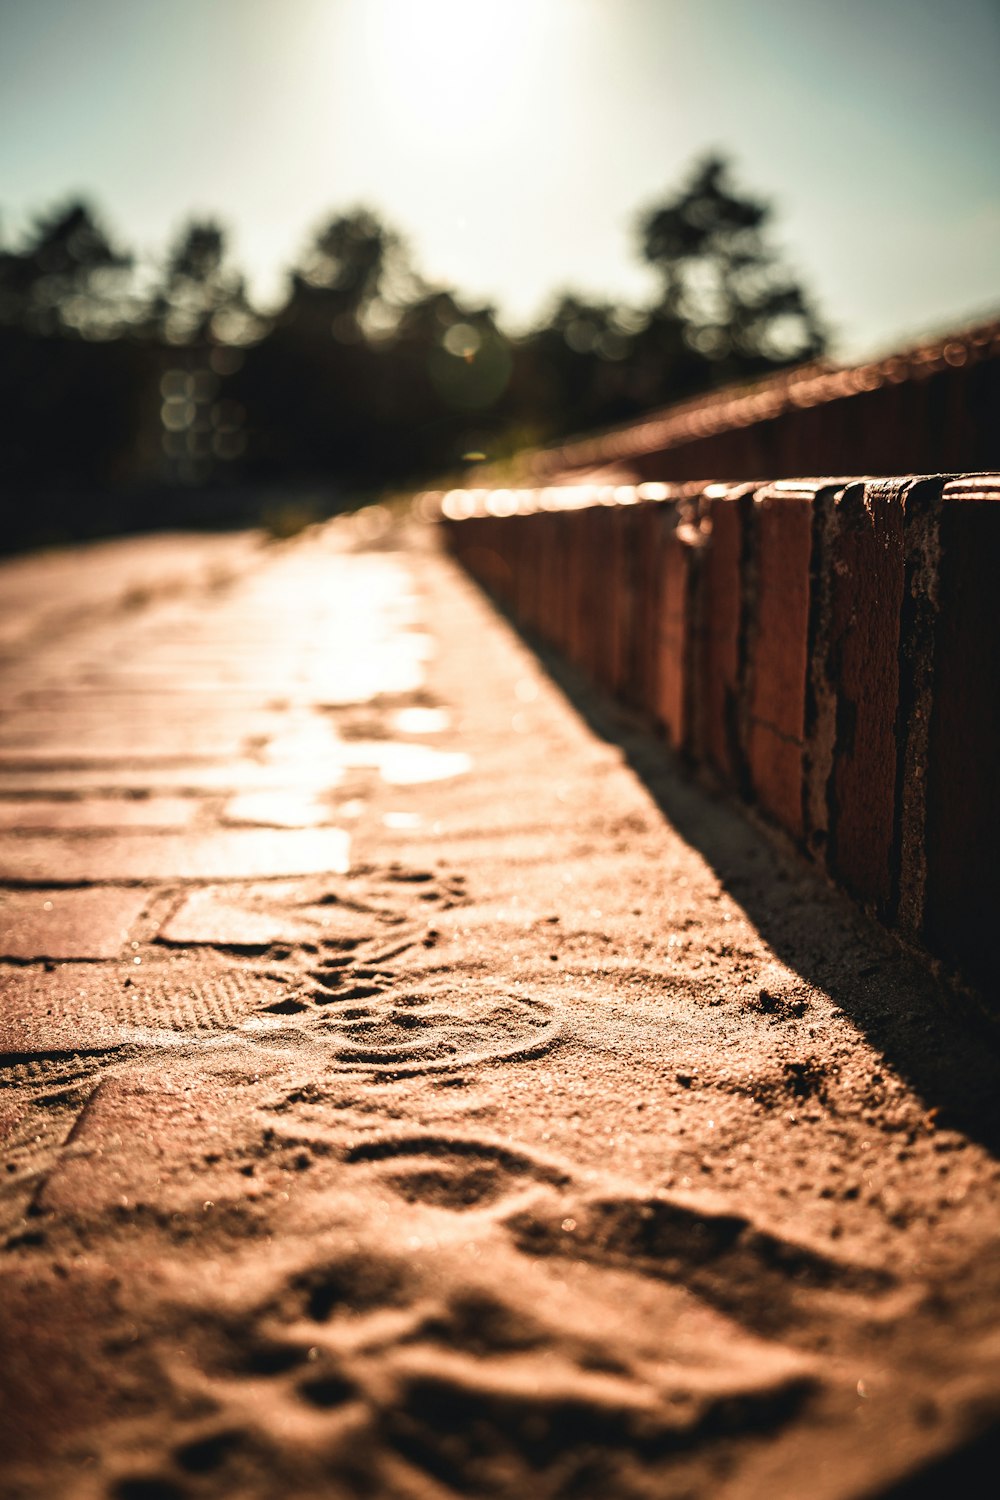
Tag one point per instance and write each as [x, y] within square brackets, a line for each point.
[449, 72]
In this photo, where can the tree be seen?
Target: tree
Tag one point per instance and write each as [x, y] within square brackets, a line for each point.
[201, 300]
[310, 386]
[725, 289]
[354, 277]
[66, 278]
[580, 363]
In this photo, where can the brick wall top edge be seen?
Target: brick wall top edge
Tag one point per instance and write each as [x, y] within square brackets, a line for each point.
[502, 503]
[801, 489]
[740, 406]
[973, 487]
[903, 485]
[731, 491]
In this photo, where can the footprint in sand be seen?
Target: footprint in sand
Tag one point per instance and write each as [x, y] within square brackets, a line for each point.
[373, 1025]
[449, 889]
[409, 1371]
[455, 1173]
[584, 1349]
[765, 1279]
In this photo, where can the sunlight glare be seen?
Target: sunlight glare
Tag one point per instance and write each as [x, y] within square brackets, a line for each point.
[450, 71]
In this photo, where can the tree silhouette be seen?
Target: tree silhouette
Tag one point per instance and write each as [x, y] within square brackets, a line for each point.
[201, 300]
[349, 255]
[581, 362]
[724, 288]
[310, 386]
[367, 376]
[67, 278]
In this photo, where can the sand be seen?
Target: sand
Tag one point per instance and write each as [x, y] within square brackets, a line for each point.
[563, 1139]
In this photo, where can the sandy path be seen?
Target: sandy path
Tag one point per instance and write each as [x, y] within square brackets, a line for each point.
[413, 1088]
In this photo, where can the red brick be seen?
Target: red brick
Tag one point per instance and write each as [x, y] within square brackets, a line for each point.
[499, 558]
[963, 791]
[478, 547]
[585, 563]
[95, 1008]
[562, 604]
[646, 525]
[227, 854]
[100, 812]
[927, 411]
[612, 597]
[778, 648]
[621, 599]
[90, 924]
[277, 809]
[179, 1117]
[65, 738]
[637, 627]
[523, 535]
[547, 610]
[255, 917]
[569, 546]
[722, 656]
[585, 573]
[599, 607]
[864, 569]
[676, 636]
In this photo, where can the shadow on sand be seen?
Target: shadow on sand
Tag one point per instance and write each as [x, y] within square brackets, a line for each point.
[928, 1034]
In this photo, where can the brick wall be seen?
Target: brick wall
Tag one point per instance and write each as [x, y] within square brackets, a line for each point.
[931, 408]
[828, 649]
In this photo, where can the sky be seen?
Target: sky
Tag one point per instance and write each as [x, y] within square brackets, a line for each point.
[514, 143]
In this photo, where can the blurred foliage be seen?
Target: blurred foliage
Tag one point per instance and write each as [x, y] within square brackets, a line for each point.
[723, 285]
[134, 397]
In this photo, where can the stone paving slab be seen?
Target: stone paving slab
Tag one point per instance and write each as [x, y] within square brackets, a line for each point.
[254, 920]
[46, 591]
[90, 1008]
[184, 1124]
[206, 920]
[69, 923]
[220, 854]
[118, 747]
[96, 812]
[207, 776]
[277, 809]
